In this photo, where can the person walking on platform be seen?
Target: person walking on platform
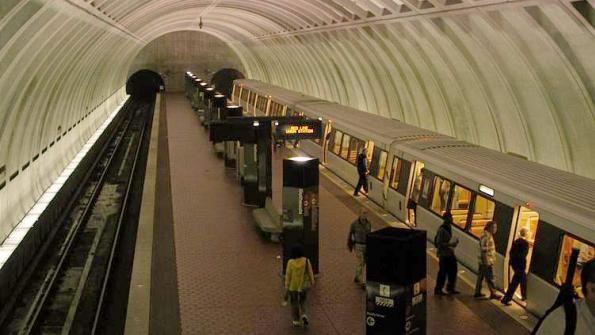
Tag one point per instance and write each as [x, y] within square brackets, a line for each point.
[356, 241]
[299, 277]
[575, 316]
[447, 261]
[362, 170]
[518, 262]
[487, 258]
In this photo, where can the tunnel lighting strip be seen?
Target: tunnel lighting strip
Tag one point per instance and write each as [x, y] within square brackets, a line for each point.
[20, 231]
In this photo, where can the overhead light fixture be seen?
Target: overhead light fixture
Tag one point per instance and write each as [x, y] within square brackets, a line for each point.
[256, 123]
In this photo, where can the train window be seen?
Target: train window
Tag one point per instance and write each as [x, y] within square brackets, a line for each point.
[252, 101]
[261, 103]
[440, 195]
[461, 199]
[355, 146]
[374, 161]
[417, 181]
[337, 142]
[586, 253]
[382, 164]
[345, 146]
[426, 183]
[395, 174]
[483, 211]
[331, 139]
[404, 178]
[378, 164]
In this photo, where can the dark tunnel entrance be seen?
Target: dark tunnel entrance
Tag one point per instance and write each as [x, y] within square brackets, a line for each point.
[223, 80]
[144, 84]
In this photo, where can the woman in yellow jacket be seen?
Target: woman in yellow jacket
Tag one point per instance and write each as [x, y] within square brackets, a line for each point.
[298, 279]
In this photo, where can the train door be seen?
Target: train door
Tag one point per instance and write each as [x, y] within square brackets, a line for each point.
[325, 140]
[414, 191]
[528, 221]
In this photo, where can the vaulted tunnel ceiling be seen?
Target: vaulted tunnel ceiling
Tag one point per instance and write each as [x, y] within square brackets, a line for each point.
[515, 76]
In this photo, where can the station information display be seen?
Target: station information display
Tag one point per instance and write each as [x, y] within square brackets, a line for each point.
[297, 129]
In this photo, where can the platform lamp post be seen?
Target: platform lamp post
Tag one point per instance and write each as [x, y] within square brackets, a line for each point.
[230, 153]
[217, 112]
[209, 93]
[202, 99]
[188, 84]
[195, 95]
[300, 208]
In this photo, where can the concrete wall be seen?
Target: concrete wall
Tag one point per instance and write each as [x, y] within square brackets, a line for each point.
[175, 53]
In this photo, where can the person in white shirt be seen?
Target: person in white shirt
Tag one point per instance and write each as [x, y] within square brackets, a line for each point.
[555, 322]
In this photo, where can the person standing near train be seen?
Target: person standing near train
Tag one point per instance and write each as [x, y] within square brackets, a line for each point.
[447, 261]
[356, 242]
[487, 258]
[576, 316]
[518, 263]
[362, 170]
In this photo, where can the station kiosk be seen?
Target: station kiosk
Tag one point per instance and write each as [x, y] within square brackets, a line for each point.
[301, 208]
[396, 282]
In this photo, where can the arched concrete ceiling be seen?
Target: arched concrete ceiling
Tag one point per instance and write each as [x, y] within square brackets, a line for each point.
[515, 76]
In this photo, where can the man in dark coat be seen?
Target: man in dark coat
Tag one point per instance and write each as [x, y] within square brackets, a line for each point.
[518, 262]
[362, 170]
[447, 261]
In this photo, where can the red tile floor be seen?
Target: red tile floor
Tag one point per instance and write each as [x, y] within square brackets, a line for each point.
[228, 274]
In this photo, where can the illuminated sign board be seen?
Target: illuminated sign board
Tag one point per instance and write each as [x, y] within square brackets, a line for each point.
[297, 129]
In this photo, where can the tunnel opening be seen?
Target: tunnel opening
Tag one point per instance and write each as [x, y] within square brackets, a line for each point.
[223, 80]
[144, 84]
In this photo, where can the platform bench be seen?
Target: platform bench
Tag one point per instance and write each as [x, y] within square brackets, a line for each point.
[268, 220]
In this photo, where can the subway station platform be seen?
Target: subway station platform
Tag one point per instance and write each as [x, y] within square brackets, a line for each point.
[202, 267]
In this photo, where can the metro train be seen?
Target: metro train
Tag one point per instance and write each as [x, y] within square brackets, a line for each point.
[438, 173]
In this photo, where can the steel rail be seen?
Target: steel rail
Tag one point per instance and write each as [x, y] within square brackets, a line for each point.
[50, 279]
[99, 309]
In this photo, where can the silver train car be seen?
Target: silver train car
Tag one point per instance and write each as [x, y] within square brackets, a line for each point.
[440, 173]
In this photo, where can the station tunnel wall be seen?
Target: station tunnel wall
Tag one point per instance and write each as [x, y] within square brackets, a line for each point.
[172, 54]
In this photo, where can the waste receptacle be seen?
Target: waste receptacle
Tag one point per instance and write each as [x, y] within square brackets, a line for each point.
[396, 282]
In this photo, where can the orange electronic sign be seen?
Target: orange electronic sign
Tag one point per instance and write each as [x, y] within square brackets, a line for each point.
[298, 129]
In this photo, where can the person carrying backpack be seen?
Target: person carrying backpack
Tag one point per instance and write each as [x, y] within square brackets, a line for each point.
[570, 317]
[447, 261]
[299, 277]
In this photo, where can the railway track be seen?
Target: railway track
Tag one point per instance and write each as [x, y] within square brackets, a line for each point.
[66, 293]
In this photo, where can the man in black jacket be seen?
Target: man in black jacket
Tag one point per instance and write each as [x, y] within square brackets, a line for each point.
[518, 262]
[362, 170]
[445, 244]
